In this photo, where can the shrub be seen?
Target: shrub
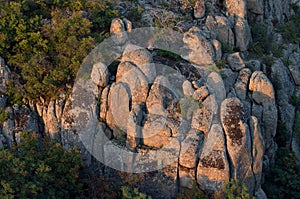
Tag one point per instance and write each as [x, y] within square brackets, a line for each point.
[39, 170]
[193, 193]
[133, 193]
[283, 180]
[3, 115]
[234, 189]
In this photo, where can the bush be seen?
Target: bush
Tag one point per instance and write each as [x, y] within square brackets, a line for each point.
[283, 180]
[45, 42]
[291, 30]
[234, 190]
[39, 170]
[3, 115]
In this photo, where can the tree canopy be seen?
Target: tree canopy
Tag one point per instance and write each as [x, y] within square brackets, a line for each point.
[45, 41]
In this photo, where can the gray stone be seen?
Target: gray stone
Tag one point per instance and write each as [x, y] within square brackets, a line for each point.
[199, 9]
[117, 30]
[236, 7]
[254, 65]
[235, 61]
[187, 88]
[262, 88]
[242, 34]
[189, 149]
[200, 50]
[218, 49]
[119, 101]
[238, 141]
[155, 132]
[104, 103]
[222, 27]
[203, 117]
[241, 85]
[100, 75]
[161, 99]
[216, 87]
[186, 177]
[257, 151]
[260, 194]
[137, 83]
[134, 126]
[142, 59]
[213, 167]
[201, 93]
[295, 71]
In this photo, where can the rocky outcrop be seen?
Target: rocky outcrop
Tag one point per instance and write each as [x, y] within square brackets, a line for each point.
[213, 167]
[216, 126]
[238, 141]
[200, 51]
[199, 9]
[238, 8]
[264, 96]
[222, 27]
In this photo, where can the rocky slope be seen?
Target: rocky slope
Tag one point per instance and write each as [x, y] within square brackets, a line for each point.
[226, 118]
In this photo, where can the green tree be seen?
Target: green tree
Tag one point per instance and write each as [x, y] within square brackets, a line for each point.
[39, 170]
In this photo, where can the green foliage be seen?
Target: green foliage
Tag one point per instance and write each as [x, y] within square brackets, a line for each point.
[168, 54]
[294, 101]
[291, 30]
[226, 48]
[133, 193]
[235, 190]
[194, 193]
[3, 115]
[221, 63]
[283, 180]
[135, 15]
[268, 60]
[46, 41]
[39, 170]
[185, 4]
[296, 126]
[261, 42]
[282, 138]
[14, 93]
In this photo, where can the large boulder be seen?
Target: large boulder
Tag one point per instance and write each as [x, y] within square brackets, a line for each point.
[257, 150]
[242, 34]
[100, 74]
[117, 31]
[238, 141]
[137, 83]
[142, 59]
[161, 98]
[222, 27]
[236, 7]
[241, 85]
[155, 132]
[200, 50]
[213, 168]
[119, 107]
[216, 87]
[191, 146]
[134, 126]
[199, 9]
[263, 94]
[262, 88]
[203, 116]
[235, 61]
[187, 88]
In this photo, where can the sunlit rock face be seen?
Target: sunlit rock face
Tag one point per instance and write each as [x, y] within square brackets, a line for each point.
[212, 110]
